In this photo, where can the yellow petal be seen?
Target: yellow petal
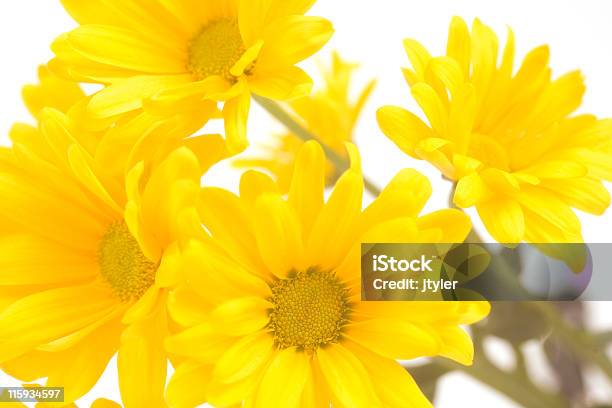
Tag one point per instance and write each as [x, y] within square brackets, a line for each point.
[253, 184]
[235, 115]
[470, 190]
[438, 152]
[172, 186]
[53, 92]
[396, 230]
[308, 185]
[560, 99]
[126, 49]
[501, 181]
[33, 365]
[279, 235]
[333, 232]
[432, 313]
[200, 342]
[249, 56]
[142, 361]
[104, 403]
[113, 150]
[31, 260]
[143, 307]
[458, 45]
[137, 16]
[316, 393]
[449, 72]
[394, 338]
[283, 381]
[541, 229]
[244, 358]
[557, 170]
[209, 150]
[238, 393]
[281, 84]
[288, 7]
[230, 222]
[455, 225]
[128, 94]
[462, 117]
[238, 317]
[50, 315]
[394, 385]
[186, 307]
[82, 167]
[346, 377]
[418, 55]
[291, 39]
[456, 345]
[217, 277]
[188, 386]
[254, 15]
[82, 365]
[599, 163]
[186, 96]
[585, 194]
[404, 196]
[402, 127]
[149, 246]
[504, 219]
[432, 106]
[551, 208]
[484, 57]
[48, 214]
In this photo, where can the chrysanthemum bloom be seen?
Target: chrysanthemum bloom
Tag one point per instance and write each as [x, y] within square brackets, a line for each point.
[508, 139]
[181, 52]
[85, 260]
[330, 114]
[273, 296]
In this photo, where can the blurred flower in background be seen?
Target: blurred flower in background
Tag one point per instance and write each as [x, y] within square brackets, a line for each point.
[330, 114]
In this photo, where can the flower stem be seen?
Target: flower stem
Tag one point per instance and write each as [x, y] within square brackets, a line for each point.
[516, 387]
[582, 343]
[280, 114]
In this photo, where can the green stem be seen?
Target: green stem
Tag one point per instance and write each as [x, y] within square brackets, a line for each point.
[604, 338]
[582, 343]
[280, 114]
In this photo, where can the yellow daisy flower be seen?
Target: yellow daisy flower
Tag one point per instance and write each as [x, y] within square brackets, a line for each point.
[330, 114]
[272, 298]
[86, 257]
[508, 139]
[176, 53]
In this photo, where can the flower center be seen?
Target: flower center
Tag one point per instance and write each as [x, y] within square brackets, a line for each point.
[123, 265]
[216, 49]
[310, 309]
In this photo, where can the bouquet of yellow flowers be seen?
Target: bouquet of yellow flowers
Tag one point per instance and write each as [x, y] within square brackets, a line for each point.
[111, 245]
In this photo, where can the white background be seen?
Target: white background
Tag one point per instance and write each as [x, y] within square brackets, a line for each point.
[370, 32]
